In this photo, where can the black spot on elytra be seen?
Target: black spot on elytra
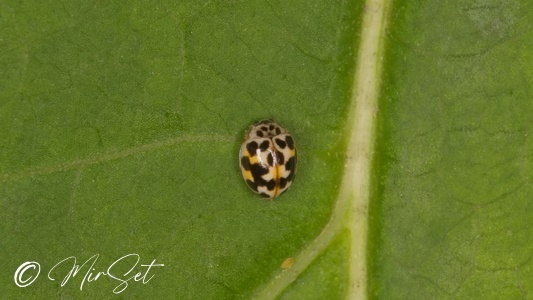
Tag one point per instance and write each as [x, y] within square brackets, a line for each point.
[258, 172]
[271, 185]
[270, 159]
[290, 142]
[278, 131]
[264, 128]
[290, 166]
[265, 195]
[252, 148]
[264, 145]
[281, 143]
[260, 133]
[245, 163]
[280, 157]
[271, 127]
[282, 182]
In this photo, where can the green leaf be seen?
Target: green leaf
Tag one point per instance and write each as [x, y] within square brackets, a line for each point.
[452, 205]
[121, 125]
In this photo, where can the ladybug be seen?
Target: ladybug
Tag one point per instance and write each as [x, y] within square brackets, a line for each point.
[268, 158]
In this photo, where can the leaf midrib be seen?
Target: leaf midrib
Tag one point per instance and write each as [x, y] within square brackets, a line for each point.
[354, 192]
